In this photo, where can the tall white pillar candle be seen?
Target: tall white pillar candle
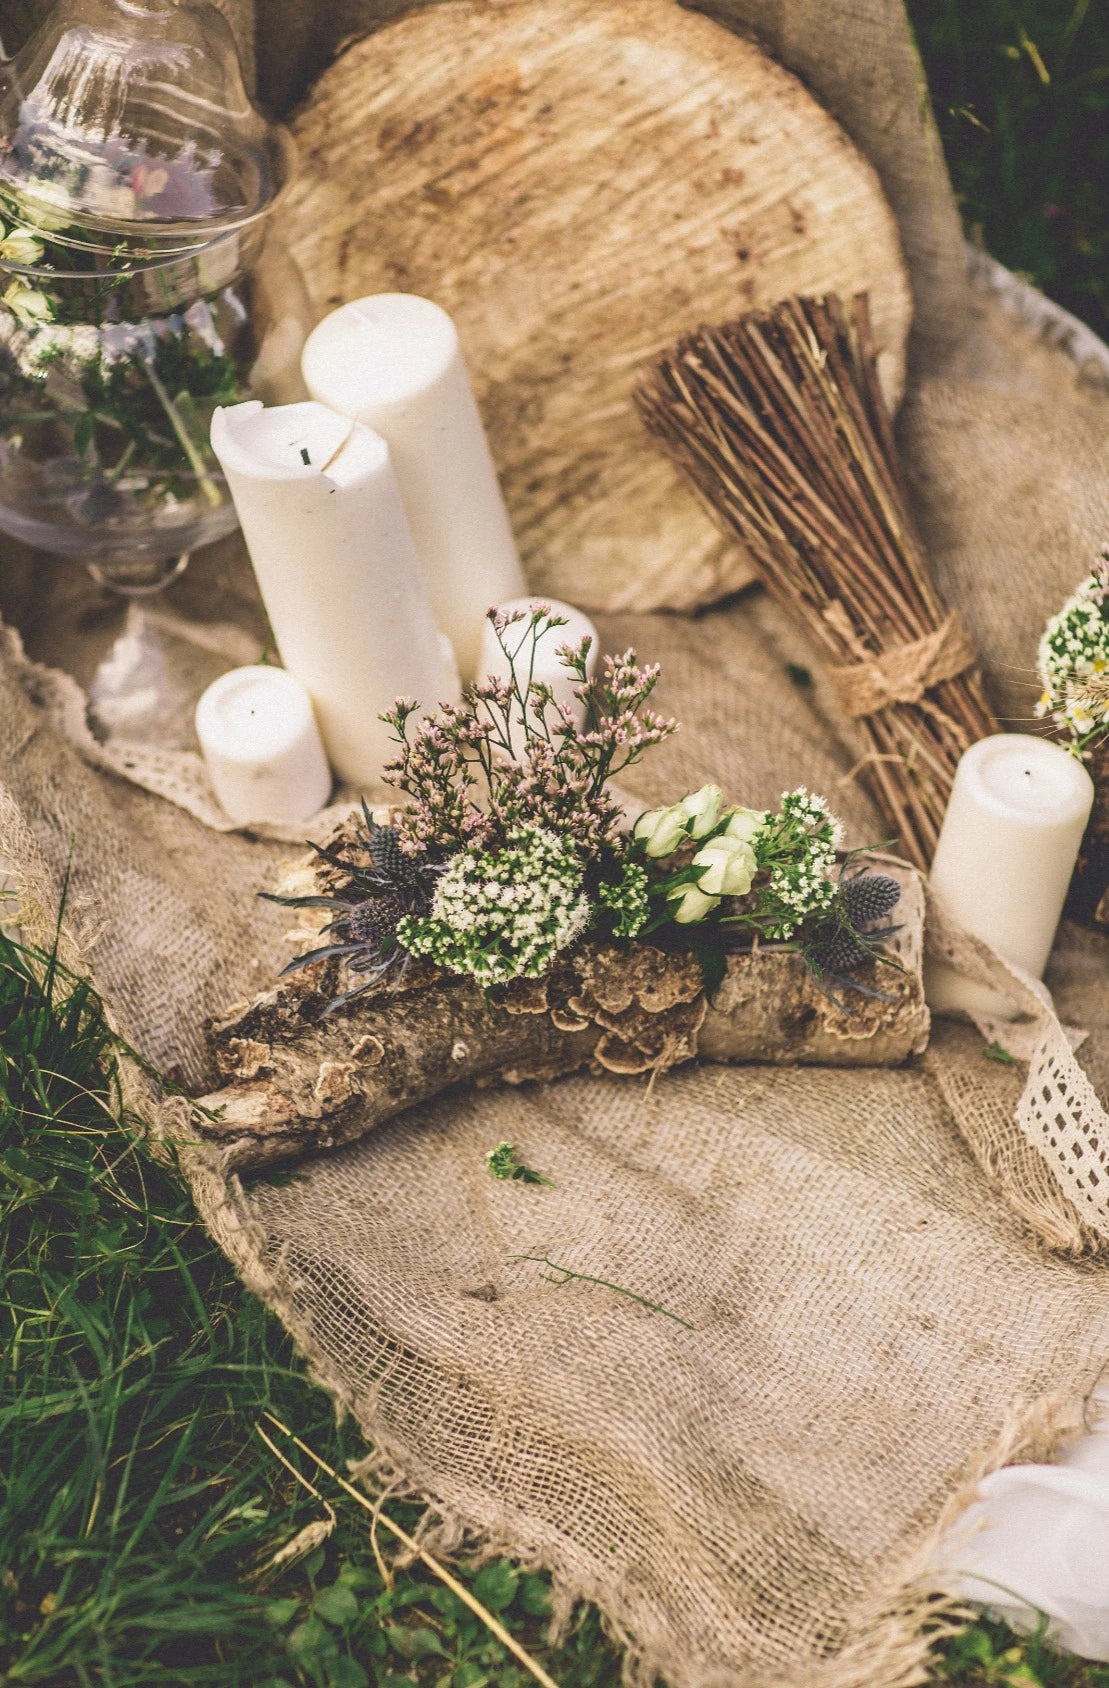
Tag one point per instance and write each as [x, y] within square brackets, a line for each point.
[539, 654]
[1005, 856]
[337, 569]
[262, 747]
[393, 361]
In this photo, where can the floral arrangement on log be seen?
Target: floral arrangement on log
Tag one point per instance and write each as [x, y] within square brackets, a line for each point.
[1074, 674]
[507, 924]
[512, 845]
[779, 421]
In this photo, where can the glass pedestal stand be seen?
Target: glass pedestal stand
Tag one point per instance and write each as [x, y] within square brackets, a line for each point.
[138, 577]
[141, 658]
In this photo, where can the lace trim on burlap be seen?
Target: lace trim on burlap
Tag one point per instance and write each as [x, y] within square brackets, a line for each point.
[1059, 1114]
[179, 776]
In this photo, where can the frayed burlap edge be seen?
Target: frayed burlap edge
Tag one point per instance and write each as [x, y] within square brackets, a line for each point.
[1041, 317]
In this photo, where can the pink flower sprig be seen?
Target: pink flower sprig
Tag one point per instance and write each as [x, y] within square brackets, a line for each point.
[510, 757]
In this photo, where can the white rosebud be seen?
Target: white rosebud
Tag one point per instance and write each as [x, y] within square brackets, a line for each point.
[701, 810]
[20, 246]
[661, 831]
[28, 305]
[744, 823]
[729, 865]
[692, 904]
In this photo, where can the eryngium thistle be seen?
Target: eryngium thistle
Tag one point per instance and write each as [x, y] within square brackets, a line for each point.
[369, 925]
[366, 906]
[841, 944]
[868, 897]
[839, 952]
[388, 857]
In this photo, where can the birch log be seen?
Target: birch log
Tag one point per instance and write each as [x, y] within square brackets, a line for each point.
[296, 1083]
[578, 182]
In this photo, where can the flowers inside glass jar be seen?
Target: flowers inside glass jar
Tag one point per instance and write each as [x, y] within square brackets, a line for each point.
[138, 288]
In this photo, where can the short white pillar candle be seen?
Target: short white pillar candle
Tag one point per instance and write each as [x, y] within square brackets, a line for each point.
[393, 361]
[338, 571]
[262, 748]
[1006, 852]
[539, 653]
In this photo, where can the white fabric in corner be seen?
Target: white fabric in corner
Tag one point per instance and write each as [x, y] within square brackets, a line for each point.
[1037, 1541]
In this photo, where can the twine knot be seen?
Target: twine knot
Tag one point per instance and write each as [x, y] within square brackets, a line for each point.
[904, 673]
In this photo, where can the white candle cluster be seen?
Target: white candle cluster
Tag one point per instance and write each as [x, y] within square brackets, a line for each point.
[393, 362]
[339, 575]
[379, 538]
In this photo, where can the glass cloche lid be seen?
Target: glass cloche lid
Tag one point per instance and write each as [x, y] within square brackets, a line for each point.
[129, 118]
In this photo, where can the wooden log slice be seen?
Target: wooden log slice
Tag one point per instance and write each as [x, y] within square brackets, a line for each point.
[578, 182]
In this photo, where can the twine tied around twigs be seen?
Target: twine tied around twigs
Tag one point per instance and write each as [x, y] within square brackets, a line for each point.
[905, 672]
[780, 422]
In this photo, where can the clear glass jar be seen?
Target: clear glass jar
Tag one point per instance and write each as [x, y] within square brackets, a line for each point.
[139, 284]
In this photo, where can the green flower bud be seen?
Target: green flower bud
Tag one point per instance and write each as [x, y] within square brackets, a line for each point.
[729, 865]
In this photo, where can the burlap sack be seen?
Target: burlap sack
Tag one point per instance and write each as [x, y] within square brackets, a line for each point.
[752, 1502]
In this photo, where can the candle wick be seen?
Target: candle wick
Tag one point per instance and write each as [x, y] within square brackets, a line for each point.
[304, 457]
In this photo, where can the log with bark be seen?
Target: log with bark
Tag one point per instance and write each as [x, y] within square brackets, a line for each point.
[579, 182]
[297, 1082]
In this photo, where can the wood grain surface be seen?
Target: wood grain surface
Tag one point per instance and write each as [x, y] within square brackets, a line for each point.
[578, 182]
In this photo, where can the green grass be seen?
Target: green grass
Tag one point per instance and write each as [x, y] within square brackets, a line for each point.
[142, 1506]
[1021, 94]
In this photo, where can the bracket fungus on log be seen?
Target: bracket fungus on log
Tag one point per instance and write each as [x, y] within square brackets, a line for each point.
[295, 1083]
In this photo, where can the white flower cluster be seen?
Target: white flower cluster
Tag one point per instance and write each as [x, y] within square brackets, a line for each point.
[802, 841]
[1074, 661]
[787, 860]
[627, 899]
[504, 914]
[55, 343]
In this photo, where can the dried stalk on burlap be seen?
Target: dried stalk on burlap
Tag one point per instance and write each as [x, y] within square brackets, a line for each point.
[779, 421]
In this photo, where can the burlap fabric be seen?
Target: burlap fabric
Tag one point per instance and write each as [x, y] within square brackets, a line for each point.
[753, 1502]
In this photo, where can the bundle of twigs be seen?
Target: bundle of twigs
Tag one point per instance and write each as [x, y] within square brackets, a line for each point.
[779, 421]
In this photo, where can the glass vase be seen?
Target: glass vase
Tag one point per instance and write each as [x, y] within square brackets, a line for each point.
[140, 283]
